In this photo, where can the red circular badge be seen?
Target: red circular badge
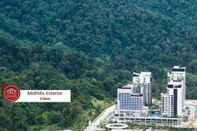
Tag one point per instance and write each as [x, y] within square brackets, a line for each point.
[11, 93]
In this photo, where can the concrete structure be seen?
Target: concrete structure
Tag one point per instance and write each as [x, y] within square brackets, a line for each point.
[173, 100]
[147, 120]
[144, 82]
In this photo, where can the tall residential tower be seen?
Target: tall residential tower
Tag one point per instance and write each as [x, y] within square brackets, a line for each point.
[144, 81]
[173, 100]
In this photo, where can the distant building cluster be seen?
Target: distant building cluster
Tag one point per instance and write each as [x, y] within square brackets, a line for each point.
[135, 96]
[135, 99]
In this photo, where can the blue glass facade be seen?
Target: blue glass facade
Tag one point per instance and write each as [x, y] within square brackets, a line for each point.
[128, 101]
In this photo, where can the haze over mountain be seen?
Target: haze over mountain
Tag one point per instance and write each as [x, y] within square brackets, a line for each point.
[91, 47]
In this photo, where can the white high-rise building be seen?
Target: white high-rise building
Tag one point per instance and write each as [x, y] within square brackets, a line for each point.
[177, 83]
[144, 81]
[177, 89]
[178, 74]
[167, 107]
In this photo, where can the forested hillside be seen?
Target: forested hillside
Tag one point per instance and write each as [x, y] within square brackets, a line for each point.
[91, 47]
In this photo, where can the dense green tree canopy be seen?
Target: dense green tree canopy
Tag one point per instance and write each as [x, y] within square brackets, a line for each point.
[91, 47]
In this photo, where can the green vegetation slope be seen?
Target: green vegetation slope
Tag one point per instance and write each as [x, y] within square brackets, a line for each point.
[90, 47]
